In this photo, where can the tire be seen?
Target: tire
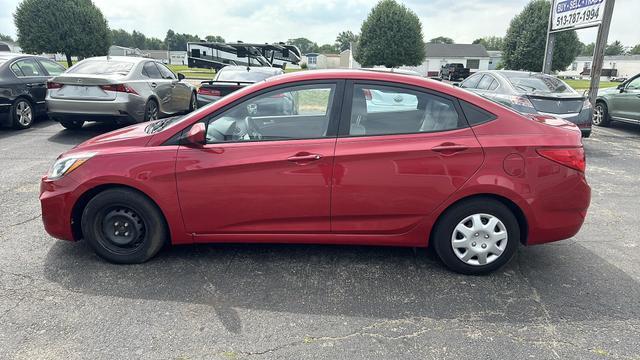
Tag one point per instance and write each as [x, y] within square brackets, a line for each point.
[151, 111]
[72, 124]
[139, 229]
[22, 114]
[601, 115]
[478, 236]
[193, 102]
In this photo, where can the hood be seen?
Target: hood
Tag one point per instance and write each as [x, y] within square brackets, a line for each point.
[133, 135]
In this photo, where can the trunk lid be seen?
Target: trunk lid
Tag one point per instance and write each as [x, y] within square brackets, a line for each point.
[224, 87]
[557, 103]
[85, 87]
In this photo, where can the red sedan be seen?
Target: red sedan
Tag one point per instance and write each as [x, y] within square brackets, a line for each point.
[327, 157]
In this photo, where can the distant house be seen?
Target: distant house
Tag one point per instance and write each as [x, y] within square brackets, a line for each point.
[9, 46]
[613, 66]
[116, 50]
[495, 58]
[472, 56]
[322, 61]
[168, 57]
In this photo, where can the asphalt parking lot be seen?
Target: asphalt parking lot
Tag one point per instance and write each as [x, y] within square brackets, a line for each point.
[579, 298]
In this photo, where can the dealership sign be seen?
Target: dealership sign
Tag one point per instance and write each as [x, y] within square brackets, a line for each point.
[573, 14]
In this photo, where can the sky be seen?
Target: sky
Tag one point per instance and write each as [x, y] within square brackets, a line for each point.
[321, 20]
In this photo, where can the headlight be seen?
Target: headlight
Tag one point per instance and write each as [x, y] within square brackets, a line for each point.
[65, 165]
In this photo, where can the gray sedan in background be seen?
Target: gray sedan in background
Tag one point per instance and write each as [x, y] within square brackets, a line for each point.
[533, 93]
[123, 90]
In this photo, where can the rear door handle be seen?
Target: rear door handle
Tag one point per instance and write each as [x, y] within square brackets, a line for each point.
[449, 148]
[153, 85]
[305, 157]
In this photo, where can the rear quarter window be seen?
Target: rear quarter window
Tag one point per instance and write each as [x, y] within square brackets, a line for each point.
[475, 115]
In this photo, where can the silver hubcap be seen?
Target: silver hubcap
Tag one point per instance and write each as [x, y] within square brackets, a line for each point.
[24, 114]
[597, 115]
[479, 239]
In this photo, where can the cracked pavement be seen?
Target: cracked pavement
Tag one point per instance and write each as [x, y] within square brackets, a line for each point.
[577, 298]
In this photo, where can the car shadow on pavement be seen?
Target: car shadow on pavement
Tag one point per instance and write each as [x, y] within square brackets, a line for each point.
[549, 283]
[39, 123]
[74, 137]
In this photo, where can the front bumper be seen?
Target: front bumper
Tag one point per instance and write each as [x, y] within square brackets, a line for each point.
[57, 199]
[125, 106]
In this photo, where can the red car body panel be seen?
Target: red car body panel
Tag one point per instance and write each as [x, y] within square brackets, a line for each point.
[378, 190]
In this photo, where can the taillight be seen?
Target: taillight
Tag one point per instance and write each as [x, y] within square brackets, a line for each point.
[569, 157]
[367, 94]
[209, 92]
[119, 88]
[53, 85]
[521, 100]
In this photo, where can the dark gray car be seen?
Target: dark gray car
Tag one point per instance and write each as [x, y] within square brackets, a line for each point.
[533, 93]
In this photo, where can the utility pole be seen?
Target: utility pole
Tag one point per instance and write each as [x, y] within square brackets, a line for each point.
[551, 43]
[598, 53]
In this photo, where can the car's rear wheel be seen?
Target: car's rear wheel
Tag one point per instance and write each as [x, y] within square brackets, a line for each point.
[193, 103]
[151, 111]
[601, 114]
[123, 226]
[72, 124]
[476, 236]
[22, 114]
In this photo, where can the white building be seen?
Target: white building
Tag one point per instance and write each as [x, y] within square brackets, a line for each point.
[613, 66]
[116, 50]
[168, 57]
[495, 58]
[321, 61]
[472, 56]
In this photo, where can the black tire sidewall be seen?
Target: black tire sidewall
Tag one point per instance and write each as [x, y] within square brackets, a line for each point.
[193, 102]
[147, 115]
[14, 118]
[155, 225]
[441, 239]
[72, 124]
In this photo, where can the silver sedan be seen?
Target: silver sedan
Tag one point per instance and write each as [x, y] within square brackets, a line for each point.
[117, 89]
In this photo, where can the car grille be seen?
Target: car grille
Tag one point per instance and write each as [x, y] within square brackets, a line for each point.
[557, 106]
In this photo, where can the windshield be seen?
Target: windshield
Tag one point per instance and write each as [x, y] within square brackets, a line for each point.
[102, 67]
[538, 83]
[242, 75]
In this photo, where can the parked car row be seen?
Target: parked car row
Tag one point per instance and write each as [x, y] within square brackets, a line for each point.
[533, 93]
[124, 90]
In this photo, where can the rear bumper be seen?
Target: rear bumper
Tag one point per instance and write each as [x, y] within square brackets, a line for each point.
[125, 106]
[581, 119]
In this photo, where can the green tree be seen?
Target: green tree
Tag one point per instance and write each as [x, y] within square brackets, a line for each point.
[344, 40]
[441, 40]
[525, 40]
[391, 36]
[139, 39]
[178, 42]
[214, 38]
[587, 49]
[4, 37]
[121, 38]
[490, 42]
[327, 49]
[154, 44]
[635, 50]
[71, 27]
[615, 48]
[305, 45]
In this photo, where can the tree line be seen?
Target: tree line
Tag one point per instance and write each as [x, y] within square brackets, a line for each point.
[391, 36]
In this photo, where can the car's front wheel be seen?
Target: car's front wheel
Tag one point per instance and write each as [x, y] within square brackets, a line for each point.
[601, 114]
[476, 236]
[123, 226]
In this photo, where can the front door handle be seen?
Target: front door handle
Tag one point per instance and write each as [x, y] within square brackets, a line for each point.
[304, 157]
[449, 148]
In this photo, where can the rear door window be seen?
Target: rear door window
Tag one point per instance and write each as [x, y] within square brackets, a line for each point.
[471, 82]
[486, 82]
[26, 68]
[151, 71]
[388, 110]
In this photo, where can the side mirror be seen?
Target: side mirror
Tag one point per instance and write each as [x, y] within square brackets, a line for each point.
[181, 76]
[456, 84]
[196, 137]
